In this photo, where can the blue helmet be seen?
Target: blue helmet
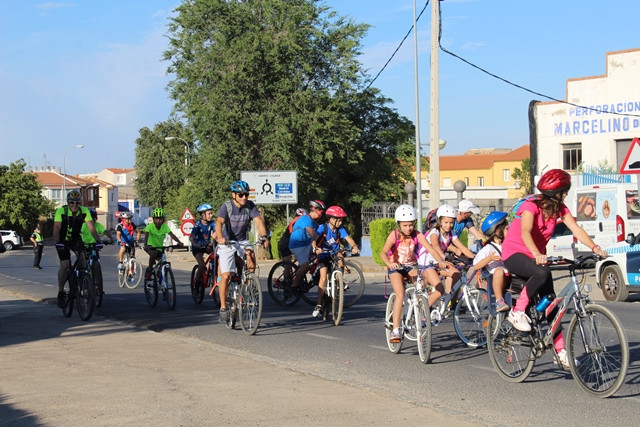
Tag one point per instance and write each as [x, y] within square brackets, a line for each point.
[492, 221]
[94, 213]
[240, 187]
[204, 207]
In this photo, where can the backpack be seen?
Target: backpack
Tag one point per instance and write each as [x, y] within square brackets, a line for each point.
[286, 236]
[514, 209]
[430, 221]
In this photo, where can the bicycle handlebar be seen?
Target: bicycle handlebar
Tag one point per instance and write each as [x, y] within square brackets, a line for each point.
[580, 260]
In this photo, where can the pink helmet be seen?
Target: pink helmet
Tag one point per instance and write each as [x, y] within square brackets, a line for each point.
[336, 212]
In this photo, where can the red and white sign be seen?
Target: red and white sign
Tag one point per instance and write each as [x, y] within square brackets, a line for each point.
[186, 227]
[631, 163]
[187, 215]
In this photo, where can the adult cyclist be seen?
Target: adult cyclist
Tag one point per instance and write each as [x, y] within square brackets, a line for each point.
[234, 217]
[67, 224]
[201, 237]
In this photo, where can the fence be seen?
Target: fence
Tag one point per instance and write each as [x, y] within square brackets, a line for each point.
[377, 211]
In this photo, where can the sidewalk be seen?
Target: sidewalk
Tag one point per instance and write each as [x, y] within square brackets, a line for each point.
[59, 371]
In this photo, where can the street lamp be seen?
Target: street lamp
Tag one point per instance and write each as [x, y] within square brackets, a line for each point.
[186, 148]
[64, 170]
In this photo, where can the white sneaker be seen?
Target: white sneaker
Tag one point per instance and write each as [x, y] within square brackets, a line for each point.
[120, 266]
[564, 359]
[317, 311]
[519, 320]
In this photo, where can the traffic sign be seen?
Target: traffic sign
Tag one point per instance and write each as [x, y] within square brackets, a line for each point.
[186, 227]
[272, 187]
[631, 163]
[186, 215]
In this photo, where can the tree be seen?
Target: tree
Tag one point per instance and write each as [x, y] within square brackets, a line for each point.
[522, 176]
[276, 85]
[160, 164]
[22, 203]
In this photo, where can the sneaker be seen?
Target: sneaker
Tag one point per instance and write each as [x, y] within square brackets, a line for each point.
[224, 315]
[61, 299]
[317, 311]
[519, 320]
[395, 336]
[563, 356]
[120, 266]
[502, 306]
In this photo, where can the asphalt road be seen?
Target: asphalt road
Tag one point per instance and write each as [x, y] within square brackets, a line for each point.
[459, 381]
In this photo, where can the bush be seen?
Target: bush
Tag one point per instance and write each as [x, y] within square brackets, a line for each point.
[276, 234]
[379, 230]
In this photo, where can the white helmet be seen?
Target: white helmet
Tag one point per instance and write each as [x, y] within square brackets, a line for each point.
[405, 213]
[446, 210]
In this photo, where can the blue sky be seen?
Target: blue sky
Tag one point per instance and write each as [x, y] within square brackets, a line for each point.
[90, 71]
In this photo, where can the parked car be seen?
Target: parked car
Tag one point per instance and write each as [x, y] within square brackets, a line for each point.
[619, 274]
[10, 239]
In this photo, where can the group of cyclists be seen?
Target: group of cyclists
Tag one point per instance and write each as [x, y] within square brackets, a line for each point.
[517, 248]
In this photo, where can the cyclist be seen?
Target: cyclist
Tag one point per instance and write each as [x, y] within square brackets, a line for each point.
[67, 223]
[283, 243]
[234, 217]
[154, 234]
[124, 235]
[201, 238]
[489, 258]
[399, 254]
[303, 238]
[87, 237]
[331, 233]
[466, 208]
[442, 239]
[524, 247]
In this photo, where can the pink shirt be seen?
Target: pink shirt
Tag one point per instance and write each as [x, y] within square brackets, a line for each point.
[541, 231]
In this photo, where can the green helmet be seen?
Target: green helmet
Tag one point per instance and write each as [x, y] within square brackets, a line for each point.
[158, 213]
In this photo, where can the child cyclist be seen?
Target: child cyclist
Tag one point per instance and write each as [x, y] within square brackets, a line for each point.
[154, 234]
[495, 227]
[331, 233]
[399, 254]
[124, 235]
[201, 238]
[442, 239]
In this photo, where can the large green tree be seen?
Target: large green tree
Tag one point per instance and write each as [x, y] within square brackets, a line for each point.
[22, 204]
[276, 85]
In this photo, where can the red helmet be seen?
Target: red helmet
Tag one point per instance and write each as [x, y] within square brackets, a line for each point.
[318, 204]
[554, 181]
[336, 212]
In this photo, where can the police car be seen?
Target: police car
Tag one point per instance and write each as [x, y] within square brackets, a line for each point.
[619, 274]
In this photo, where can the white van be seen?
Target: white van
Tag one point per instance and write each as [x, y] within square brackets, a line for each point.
[607, 212]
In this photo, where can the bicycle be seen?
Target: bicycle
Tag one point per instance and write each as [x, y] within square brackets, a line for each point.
[78, 288]
[469, 303]
[598, 350]
[131, 273]
[282, 273]
[162, 277]
[94, 270]
[209, 277]
[244, 294]
[415, 323]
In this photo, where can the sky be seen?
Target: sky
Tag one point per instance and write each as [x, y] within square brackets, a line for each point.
[90, 72]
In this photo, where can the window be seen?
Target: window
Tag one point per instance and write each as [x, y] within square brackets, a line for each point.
[446, 182]
[571, 156]
[506, 175]
[56, 194]
[481, 181]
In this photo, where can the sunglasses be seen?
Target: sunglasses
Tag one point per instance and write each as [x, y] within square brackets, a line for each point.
[73, 203]
[243, 195]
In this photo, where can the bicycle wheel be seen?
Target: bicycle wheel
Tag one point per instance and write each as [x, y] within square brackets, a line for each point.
[67, 308]
[279, 282]
[169, 288]
[394, 347]
[510, 352]
[151, 291]
[251, 304]
[122, 274]
[470, 317]
[85, 298]
[598, 351]
[423, 328]
[337, 301]
[97, 280]
[133, 273]
[197, 289]
[353, 283]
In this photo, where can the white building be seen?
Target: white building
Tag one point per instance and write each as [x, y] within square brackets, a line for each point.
[598, 124]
